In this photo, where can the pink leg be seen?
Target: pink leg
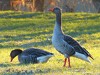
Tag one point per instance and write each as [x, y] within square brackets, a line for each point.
[69, 63]
[65, 62]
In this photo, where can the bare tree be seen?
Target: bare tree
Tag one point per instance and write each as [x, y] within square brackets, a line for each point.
[97, 4]
[38, 5]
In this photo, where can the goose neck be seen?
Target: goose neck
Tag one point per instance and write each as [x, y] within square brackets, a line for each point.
[58, 28]
[58, 18]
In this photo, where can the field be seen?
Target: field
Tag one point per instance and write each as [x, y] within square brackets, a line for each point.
[25, 30]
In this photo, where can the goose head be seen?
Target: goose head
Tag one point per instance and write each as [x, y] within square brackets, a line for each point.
[55, 10]
[14, 53]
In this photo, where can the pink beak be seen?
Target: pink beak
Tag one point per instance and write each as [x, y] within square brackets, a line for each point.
[11, 59]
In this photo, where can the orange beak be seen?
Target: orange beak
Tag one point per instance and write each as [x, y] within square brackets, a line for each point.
[11, 59]
[51, 9]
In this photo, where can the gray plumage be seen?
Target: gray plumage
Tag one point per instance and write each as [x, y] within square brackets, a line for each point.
[65, 44]
[77, 47]
[31, 55]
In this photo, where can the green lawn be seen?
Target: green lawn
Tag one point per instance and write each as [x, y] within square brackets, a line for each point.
[25, 30]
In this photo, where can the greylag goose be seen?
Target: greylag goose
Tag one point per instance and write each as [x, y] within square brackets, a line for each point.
[65, 44]
[31, 55]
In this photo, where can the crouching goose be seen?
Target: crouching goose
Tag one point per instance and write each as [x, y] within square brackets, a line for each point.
[31, 55]
[65, 44]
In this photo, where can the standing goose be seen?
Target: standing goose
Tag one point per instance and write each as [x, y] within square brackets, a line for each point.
[65, 44]
[31, 55]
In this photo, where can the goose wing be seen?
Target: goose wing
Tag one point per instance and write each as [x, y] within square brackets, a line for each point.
[77, 47]
[36, 52]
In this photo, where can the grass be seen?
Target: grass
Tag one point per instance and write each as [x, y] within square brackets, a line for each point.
[25, 30]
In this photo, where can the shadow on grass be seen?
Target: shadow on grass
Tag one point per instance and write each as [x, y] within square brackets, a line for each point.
[92, 29]
[44, 42]
[93, 17]
[59, 70]
[17, 26]
[86, 17]
[81, 30]
[36, 44]
[10, 70]
[6, 64]
[9, 64]
[28, 45]
[18, 15]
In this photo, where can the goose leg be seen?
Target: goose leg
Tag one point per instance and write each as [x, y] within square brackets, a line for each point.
[69, 63]
[65, 62]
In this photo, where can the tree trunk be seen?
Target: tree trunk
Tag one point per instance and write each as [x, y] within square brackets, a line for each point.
[97, 4]
[4, 4]
[38, 5]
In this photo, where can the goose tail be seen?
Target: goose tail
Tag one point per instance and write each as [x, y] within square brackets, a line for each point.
[91, 56]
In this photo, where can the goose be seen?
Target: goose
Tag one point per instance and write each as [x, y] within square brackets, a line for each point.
[31, 55]
[65, 44]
